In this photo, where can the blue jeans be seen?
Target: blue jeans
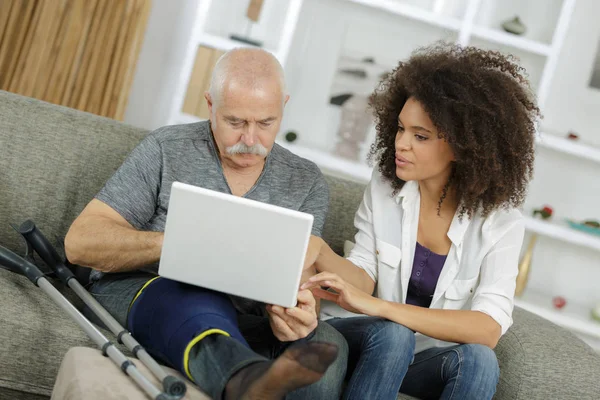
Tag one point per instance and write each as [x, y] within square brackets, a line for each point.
[217, 358]
[382, 363]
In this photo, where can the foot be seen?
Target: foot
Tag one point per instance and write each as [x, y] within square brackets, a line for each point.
[300, 365]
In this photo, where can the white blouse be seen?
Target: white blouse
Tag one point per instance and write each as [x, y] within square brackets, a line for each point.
[480, 270]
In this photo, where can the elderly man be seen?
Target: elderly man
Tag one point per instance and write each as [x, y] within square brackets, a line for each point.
[231, 347]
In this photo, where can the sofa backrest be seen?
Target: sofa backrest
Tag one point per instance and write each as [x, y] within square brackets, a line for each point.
[53, 160]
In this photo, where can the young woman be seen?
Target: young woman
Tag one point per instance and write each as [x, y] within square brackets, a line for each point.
[434, 266]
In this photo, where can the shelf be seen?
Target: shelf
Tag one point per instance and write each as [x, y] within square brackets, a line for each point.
[568, 146]
[508, 39]
[329, 162]
[562, 232]
[413, 12]
[572, 316]
[221, 43]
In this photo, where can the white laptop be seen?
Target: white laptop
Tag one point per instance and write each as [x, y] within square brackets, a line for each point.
[234, 245]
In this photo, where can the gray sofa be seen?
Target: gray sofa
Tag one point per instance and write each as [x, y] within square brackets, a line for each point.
[53, 160]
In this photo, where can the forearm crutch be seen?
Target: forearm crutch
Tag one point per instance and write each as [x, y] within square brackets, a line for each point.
[172, 385]
[17, 263]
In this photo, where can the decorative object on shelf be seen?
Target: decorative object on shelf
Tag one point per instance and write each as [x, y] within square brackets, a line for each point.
[588, 226]
[572, 136]
[194, 102]
[340, 99]
[545, 212]
[525, 264]
[595, 78]
[354, 125]
[356, 77]
[291, 136]
[559, 302]
[596, 313]
[253, 14]
[514, 26]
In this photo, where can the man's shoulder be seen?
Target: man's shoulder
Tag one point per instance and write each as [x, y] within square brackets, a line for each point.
[284, 158]
[174, 133]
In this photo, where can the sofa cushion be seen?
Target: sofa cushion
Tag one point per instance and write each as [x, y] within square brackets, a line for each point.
[86, 374]
[344, 198]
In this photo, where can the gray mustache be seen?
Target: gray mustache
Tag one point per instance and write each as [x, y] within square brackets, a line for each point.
[241, 148]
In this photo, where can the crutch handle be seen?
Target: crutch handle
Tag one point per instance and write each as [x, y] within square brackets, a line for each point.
[17, 263]
[44, 248]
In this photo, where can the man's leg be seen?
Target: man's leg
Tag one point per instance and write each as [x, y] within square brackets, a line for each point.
[115, 292]
[468, 371]
[331, 385]
[380, 353]
[195, 330]
[257, 331]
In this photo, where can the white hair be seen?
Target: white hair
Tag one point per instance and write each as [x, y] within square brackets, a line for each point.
[251, 65]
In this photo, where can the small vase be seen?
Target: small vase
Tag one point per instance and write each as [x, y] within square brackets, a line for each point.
[354, 127]
[525, 266]
[514, 26]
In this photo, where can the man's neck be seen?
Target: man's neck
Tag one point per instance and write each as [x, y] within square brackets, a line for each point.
[236, 170]
[241, 179]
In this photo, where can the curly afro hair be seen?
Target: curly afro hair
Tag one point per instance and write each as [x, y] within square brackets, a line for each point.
[481, 104]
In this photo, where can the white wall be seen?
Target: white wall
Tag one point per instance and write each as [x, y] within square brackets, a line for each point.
[159, 58]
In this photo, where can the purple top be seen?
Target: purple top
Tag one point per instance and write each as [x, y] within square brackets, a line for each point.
[425, 274]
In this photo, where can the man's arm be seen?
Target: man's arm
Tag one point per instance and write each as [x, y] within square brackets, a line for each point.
[102, 239]
[107, 235]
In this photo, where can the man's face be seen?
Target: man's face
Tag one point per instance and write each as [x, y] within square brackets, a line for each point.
[245, 122]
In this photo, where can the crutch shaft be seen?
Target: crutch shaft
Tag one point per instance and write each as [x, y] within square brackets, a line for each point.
[171, 384]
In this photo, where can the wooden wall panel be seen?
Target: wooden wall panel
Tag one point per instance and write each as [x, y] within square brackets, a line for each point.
[77, 53]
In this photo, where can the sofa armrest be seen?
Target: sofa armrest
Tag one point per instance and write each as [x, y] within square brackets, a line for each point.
[540, 360]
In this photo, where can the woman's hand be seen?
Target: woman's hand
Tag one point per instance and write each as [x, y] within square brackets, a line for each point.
[347, 296]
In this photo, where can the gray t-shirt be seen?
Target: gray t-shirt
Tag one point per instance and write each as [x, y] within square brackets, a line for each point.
[141, 187]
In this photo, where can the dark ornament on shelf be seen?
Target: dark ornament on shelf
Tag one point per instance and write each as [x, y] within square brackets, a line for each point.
[357, 73]
[340, 99]
[291, 137]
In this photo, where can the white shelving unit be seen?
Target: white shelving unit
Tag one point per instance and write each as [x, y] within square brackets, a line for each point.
[467, 22]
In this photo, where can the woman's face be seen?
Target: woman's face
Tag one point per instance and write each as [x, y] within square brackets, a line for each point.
[420, 154]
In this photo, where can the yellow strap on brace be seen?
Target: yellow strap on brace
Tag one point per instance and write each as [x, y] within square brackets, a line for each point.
[140, 292]
[186, 353]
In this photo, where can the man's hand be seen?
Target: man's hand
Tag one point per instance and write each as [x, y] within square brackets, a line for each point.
[290, 324]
